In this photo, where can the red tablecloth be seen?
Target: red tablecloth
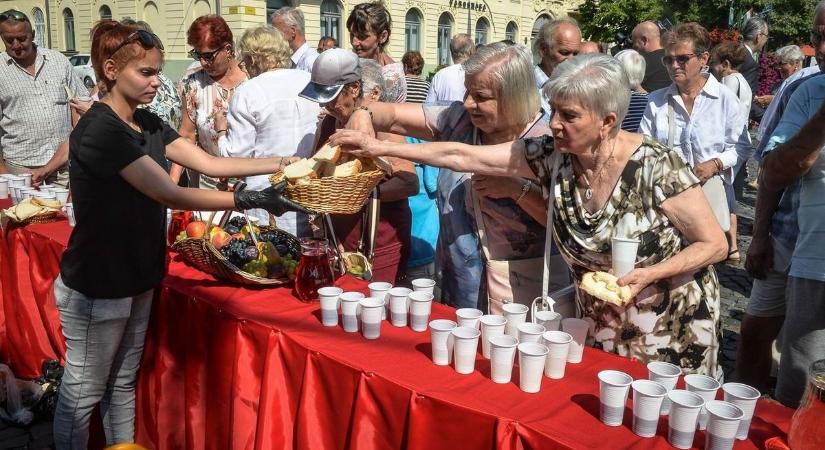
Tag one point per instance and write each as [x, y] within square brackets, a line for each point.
[227, 367]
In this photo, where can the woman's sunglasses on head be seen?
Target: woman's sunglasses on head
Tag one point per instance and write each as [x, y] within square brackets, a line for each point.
[146, 39]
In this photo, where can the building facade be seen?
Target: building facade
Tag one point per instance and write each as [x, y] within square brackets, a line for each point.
[423, 25]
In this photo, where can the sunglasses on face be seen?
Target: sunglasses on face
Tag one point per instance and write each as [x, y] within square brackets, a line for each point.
[680, 59]
[146, 39]
[204, 56]
[13, 15]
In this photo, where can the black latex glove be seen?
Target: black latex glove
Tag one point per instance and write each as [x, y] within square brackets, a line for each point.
[270, 199]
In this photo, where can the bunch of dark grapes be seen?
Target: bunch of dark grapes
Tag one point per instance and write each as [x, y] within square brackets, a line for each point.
[236, 252]
[234, 225]
[268, 236]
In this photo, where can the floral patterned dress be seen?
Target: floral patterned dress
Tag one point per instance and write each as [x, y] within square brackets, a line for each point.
[676, 319]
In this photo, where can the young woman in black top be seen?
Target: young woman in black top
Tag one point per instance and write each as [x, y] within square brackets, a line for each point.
[116, 253]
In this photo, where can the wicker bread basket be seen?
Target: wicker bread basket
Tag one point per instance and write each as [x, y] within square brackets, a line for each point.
[334, 195]
[47, 217]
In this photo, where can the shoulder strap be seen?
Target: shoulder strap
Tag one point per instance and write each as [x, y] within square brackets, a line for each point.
[671, 123]
[548, 235]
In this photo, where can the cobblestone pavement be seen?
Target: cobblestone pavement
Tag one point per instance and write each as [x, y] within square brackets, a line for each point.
[736, 287]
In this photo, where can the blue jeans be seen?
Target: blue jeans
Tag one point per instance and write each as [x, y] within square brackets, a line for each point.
[104, 343]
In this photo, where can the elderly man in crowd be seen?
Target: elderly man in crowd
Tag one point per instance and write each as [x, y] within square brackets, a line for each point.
[35, 118]
[589, 47]
[754, 37]
[557, 41]
[448, 83]
[647, 40]
[290, 22]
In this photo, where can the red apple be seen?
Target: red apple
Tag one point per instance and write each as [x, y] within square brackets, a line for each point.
[220, 239]
[195, 230]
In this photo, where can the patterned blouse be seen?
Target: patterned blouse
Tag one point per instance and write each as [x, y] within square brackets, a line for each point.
[676, 319]
[167, 103]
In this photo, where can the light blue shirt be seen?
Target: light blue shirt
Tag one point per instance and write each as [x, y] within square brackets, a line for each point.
[541, 80]
[808, 260]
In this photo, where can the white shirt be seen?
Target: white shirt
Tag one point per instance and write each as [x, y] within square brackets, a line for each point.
[716, 128]
[739, 86]
[304, 57]
[767, 117]
[266, 119]
[541, 80]
[447, 85]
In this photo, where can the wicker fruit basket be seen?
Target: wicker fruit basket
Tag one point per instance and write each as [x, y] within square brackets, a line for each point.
[334, 195]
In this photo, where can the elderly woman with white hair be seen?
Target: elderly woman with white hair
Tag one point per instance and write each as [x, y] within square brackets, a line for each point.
[603, 182]
[266, 116]
[634, 67]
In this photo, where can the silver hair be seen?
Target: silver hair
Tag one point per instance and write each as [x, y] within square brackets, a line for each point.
[461, 47]
[544, 39]
[512, 70]
[292, 16]
[372, 77]
[634, 66]
[596, 81]
[789, 54]
[753, 28]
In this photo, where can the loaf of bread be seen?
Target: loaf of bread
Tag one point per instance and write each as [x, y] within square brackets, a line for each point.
[604, 287]
[328, 154]
[347, 169]
[305, 168]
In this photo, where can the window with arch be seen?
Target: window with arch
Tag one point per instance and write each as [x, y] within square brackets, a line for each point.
[105, 13]
[511, 33]
[445, 33]
[540, 21]
[39, 24]
[412, 30]
[68, 29]
[482, 31]
[331, 19]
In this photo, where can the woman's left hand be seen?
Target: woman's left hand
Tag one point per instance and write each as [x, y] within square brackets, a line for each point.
[358, 143]
[705, 170]
[497, 187]
[220, 120]
[637, 279]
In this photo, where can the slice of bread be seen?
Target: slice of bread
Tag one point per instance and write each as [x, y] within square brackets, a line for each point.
[347, 169]
[302, 168]
[603, 286]
[328, 154]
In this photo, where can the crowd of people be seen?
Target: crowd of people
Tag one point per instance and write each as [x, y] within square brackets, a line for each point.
[502, 171]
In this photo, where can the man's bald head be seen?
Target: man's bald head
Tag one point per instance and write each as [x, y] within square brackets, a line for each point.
[646, 37]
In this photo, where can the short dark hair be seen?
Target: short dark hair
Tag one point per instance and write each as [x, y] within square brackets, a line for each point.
[413, 62]
[730, 52]
[372, 16]
[690, 31]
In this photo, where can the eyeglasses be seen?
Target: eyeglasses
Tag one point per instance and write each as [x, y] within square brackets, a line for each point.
[146, 39]
[680, 59]
[15, 15]
[205, 56]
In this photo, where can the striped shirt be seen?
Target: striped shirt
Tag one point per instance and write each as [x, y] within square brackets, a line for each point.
[34, 110]
[416, 89]
[635, 111]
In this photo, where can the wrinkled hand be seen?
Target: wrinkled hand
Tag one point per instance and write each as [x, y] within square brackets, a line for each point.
[358, 143]
[270, 199]
[637, 279]
[760, 258]
[497, 187]
[80, 107]
[38, 175]
[705, 170]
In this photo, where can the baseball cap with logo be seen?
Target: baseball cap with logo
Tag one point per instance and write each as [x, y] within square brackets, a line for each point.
[332, 70]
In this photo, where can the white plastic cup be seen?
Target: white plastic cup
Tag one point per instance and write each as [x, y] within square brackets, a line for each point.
[27, 179]
[530, 332]
[558, 344]
[441, 340]
[4, 188]
[723, 424]
[491, 325]
[613, 389]
[423, 285]
[745, 398]
[668, 375]
[531, 359]
[465, 349]
[706, 388]
[551, 320]
[14, 194]
[371, 317]
[62, 194]
[26, 192]
[647, 401]
[421, 304]
[684, 413]
[69, 208]
[379, 289]
[515, 313]
[468, 317]
[502, 355]
[329, 305]
[578, 329]
[399, 306]
[44, 195]
[16, 180]
[349, 310]
[623, 255]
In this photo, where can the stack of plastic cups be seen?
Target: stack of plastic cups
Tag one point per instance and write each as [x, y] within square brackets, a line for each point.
[423, 285]
[684, 413]
[668, 375]
[468, 317]
[531, 361]
[62, 194]
[26, 192]
[421, 304]
[4, 188]
[647, 401]
[349, 310]
[706, 388]
[14, 194]
[380, 289]
[530, 332]
[558, 344]
[442, 342]
[44, 195]
[491, 325]
[515, 313]
[723, 424]
[744, 397]
[371, 317]
[578, 329]
[399, 306]
[550, 320]
[329, 305]
[613, 389]
[27, 179]
[465, 349]
[502, 355]
[69, 208]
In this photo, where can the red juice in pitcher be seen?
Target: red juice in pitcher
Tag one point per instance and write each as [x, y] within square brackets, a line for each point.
[314, 269]
[180, 220]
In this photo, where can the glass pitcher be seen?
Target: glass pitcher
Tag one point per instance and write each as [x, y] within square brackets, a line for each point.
[808, 424]
[314, 269]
